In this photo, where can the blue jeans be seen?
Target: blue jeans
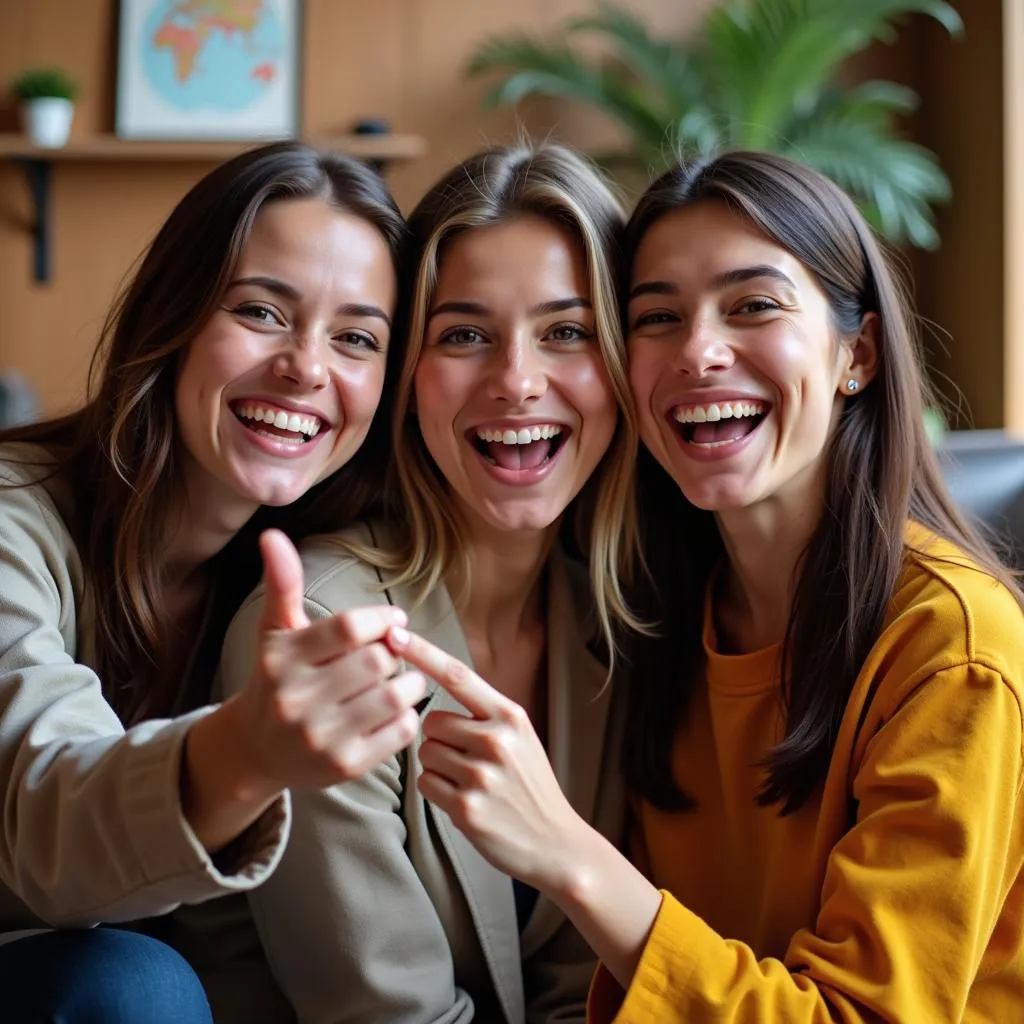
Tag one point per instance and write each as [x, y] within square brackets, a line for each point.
[99, 976]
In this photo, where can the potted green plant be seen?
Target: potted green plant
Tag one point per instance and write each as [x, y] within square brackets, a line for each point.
[46, 96]
[759, 74]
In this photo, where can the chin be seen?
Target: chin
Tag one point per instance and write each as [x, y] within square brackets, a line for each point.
[276, 493]
[717, 496]
[521, 520]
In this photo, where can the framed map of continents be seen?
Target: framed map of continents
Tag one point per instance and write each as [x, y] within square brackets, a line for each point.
[208, 69]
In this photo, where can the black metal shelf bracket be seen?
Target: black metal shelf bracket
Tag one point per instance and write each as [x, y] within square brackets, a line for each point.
[37, 174]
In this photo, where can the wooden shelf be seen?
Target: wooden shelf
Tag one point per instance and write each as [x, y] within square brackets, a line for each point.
[379, 148]
[37, 162]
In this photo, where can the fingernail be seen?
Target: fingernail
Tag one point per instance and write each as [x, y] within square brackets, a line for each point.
[399, 636]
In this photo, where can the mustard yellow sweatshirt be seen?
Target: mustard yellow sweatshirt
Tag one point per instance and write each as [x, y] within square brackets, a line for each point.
[895, 893]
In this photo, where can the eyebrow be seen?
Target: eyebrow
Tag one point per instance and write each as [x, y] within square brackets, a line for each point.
[738, 275]
[544, 309]
[278, 287]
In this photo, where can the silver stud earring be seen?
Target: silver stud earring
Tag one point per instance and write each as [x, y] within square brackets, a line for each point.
[852, 385]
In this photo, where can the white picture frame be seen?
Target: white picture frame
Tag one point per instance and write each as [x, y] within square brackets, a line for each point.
[206, 70]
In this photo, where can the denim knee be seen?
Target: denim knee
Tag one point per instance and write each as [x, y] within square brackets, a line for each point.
[100, 976]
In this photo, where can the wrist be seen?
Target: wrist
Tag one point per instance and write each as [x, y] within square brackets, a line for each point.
[221, 773]
[571, 874]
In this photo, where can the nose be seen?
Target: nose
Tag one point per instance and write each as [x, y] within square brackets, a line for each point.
[702, 350]
[303, 363]
[518, 374]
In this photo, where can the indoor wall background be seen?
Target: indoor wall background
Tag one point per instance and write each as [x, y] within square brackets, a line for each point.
[403, 60]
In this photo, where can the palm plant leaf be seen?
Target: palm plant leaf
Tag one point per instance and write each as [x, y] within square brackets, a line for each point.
[894, 180]
[758, 76]
[791, 49]
[536, 68]
[672, 73]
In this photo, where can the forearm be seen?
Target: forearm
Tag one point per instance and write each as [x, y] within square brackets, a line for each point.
[608, 900]
[222, 792]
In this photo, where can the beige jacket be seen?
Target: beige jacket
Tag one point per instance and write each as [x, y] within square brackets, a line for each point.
[381, 910]
[92, 824]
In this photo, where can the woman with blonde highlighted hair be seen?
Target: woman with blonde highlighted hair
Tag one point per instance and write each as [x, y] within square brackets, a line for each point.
[514, 450]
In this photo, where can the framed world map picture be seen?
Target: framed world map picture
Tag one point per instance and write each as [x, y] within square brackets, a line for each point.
[208, 69]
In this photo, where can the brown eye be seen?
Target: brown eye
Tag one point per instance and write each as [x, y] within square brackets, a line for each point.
[258, 313]
[758, 305]
[654, 317]
[568, 333]
[461, 337]
[358, 340]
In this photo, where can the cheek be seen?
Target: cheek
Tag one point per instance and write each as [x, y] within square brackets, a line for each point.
[792, 360]
[216, 357]
[645, 371]
[442, 388]
[360, 384]
[591, 385]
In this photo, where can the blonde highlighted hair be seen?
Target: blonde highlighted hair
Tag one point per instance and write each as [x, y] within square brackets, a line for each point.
[552, 182]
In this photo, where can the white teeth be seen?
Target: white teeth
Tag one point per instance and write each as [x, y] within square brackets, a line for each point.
[715, 411]
[522, 436]
[293, 422]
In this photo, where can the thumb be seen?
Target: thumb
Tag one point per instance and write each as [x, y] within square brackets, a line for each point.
[282, 574]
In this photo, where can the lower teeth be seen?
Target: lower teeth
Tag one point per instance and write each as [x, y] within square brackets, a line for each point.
[295, 439]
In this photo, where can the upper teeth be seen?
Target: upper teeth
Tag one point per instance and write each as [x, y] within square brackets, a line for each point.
[308, 425]
[522, 436]
[717, 411]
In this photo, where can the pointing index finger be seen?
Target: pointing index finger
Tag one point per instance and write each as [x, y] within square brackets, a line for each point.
[469, 689]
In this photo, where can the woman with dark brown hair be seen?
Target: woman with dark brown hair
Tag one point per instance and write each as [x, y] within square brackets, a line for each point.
[824, 743]
[240, 374]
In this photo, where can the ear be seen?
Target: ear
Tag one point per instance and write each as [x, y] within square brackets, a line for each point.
[859, 357]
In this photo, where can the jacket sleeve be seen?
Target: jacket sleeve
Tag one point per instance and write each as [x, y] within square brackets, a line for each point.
[92, 824]
[912, 896]
[349, 930]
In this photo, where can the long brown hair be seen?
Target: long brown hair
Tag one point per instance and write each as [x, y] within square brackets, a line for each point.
[554, 183]
[119, 454]
[882, 472]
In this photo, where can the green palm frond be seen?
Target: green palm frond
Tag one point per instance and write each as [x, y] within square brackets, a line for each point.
[772, 54]
[531, 68]
[896, 181]
[675, 76]
[759, 75]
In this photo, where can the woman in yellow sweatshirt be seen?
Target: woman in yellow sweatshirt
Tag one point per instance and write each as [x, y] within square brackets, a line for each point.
[824, 741]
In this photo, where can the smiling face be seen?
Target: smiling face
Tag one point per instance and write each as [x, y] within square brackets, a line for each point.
[279, 387]
[511, 392]
[737, 369]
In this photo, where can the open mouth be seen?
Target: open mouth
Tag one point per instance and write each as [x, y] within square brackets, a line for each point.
[269, 421]
[526, 448]
[719, 423]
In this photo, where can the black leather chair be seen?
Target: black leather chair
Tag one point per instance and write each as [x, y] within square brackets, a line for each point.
[985, 472]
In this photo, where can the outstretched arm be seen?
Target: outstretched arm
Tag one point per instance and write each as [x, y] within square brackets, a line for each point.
[491, 775]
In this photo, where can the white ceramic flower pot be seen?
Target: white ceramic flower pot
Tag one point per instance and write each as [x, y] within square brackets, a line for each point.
[48, 121]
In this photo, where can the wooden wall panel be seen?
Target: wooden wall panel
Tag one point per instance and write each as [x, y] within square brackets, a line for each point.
[403, 60]
[1013, 197]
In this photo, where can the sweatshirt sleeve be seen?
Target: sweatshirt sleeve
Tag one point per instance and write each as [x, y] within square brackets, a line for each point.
[93, 829]
[912, 894]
